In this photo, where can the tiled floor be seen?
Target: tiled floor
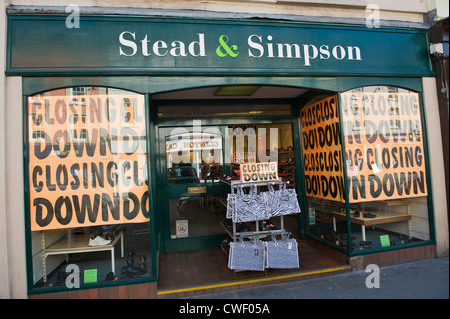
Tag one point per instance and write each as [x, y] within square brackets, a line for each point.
[210, 266]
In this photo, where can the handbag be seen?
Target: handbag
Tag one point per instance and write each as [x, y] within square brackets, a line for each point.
[247, 255]
[282, 253]
[230, 205]
[282, 201]
[249, 207]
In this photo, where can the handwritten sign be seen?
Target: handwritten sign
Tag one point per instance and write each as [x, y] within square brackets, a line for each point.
[87, 160]
[259, 172]
[384, 145]
[322, 151]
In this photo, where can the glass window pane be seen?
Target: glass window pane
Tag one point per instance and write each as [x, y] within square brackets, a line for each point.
[383, 136]
[194, 157]
[323, 169]
[88, 181]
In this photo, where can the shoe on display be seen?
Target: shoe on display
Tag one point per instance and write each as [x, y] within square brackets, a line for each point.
[369, 215]
[98, 241]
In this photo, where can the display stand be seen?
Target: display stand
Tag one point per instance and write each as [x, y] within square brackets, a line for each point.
[247, 251]
[260, 233]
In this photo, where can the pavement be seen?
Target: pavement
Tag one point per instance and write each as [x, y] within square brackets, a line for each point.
[424, 279]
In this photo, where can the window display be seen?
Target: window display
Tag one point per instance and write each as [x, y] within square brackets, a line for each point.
[88, 182]
[384, 161]
[203, 161]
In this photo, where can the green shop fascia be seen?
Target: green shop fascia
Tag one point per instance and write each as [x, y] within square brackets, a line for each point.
[146, 56]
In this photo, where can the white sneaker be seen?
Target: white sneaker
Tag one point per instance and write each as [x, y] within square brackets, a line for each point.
[98, 241]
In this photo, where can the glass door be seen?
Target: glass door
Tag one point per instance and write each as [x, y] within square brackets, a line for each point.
[192, 164]
[197, 167]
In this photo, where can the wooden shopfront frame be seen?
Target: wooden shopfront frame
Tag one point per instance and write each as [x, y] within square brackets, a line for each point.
[39, 76]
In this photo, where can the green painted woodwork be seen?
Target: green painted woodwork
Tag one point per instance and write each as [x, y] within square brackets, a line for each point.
[106, 45]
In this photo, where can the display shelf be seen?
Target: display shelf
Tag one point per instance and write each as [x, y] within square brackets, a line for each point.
[378, 219]
[73, 244]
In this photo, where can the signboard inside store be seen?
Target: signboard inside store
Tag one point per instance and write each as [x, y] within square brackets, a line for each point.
[87, 161]
[259, 172]
[384, 153]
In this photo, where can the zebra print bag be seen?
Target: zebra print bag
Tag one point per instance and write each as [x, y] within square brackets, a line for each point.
[282, 201]
[282, 254]
[247, 255]
[249, 207]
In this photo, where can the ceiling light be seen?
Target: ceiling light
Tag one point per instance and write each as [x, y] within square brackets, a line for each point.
[237, 90]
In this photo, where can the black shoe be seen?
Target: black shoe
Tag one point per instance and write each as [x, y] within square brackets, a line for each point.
[369, 215]
[110, 276]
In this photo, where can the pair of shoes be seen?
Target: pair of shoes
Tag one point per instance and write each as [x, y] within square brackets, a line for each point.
[369, 215]
[98, 241]
[130, 270]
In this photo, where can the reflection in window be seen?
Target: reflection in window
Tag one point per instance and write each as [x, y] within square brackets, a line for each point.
[194, 157]
[381, 129]
[89, 202]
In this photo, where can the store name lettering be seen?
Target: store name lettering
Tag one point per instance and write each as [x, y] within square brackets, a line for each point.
[258, 47]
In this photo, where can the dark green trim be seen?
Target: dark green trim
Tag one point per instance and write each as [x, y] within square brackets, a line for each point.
[390, 248]
[107, 284]
[299, 178]
[156, 155]
[151, 188]
[26, 159]
[28, 240]
[159, 84]
[43, 45]
[346, 183]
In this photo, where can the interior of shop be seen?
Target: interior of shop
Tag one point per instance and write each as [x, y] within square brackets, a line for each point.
[204, 136]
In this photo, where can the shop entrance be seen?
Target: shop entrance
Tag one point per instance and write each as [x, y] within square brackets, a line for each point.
[192, 167]
[199, 165]
[201, 146]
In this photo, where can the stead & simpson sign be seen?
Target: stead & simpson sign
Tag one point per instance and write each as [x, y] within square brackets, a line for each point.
[42, 44]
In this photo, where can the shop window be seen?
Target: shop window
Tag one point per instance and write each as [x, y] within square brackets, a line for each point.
[202, 166]
[88, 187]
[381, 128]
[323, 171]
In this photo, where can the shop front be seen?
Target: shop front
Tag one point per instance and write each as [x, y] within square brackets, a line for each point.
[135, 129]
